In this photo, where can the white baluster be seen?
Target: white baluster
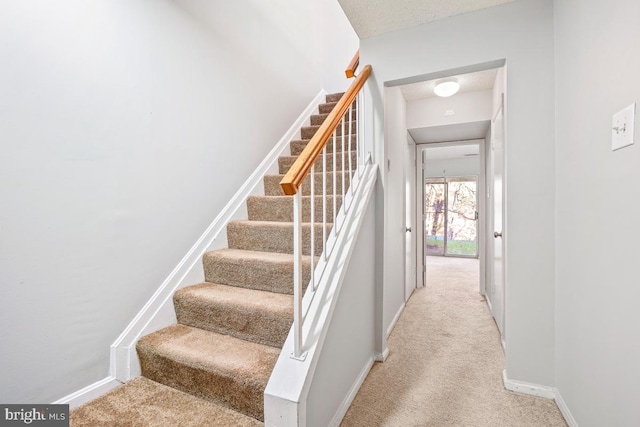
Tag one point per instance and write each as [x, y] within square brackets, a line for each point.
[312, 223]
[324, 201]
[335, 183]
[343, 162]
[297, 275]
[350, 136]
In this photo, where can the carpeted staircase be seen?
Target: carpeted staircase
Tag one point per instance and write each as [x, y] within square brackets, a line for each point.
[213, 366]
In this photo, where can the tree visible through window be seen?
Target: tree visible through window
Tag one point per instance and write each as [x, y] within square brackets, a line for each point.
[451, 231]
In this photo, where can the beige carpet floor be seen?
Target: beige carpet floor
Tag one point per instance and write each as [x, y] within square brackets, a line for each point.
[445, 363]
[145, 403]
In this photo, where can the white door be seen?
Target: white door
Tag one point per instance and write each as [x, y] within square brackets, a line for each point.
[410, 276]
[497, 165]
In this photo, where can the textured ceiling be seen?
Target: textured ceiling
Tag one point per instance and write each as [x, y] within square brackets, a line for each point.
[481, 80]
[373, 17]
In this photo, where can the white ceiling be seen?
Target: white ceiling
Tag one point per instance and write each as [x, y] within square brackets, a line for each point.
[373, 17]
[455, 132]
[452, 152]
[481, 80]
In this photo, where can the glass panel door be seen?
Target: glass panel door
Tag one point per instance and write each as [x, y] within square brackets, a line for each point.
[435, 221]
[451, 216]
[461, 217]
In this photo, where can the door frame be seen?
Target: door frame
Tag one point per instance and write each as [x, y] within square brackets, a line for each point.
[446, 180]
[411, 276]
[491, 241]
[482, 207]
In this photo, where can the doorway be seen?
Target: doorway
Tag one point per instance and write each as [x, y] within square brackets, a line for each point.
[451, 197]
[451, 216]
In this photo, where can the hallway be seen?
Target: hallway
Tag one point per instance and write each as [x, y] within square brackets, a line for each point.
[445, 363]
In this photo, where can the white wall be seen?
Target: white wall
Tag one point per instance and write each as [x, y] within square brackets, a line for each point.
[348, 350]
[285, 36]
[334, 38]
[468, 107]
[394, 217]
[464, 166]
[597, 232]
[522, 33]
[126, 126]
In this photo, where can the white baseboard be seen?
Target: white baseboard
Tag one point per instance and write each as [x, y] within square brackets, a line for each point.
[564, 409]
[381, 357]
[88, 393]
[528, 388]
[503, 343]
[488, 301]
[158, 312]
[395, 320]
[346, 403]
[541, 391]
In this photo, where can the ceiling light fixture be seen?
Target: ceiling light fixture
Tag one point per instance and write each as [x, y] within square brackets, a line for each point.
[447, 87]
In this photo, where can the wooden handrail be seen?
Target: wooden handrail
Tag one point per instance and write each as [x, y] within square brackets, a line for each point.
[301, 167]
[353, 65]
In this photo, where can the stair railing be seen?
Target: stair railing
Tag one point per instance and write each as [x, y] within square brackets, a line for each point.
[353, 65]
[338, 125]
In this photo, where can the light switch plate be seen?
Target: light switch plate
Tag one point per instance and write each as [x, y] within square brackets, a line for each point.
[622, 128]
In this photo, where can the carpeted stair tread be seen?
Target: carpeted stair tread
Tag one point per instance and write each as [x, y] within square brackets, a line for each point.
[267, 271]
[307, 132]
[328, 106]
[143, 402]
[298, 145]
[285, 162]
[318, 119]
[280, 208]
[333, 97]
[212, 366]
[271, 236]
[272, 184]
[257, 316]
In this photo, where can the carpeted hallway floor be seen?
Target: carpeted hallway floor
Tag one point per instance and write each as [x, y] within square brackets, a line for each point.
[445, 363]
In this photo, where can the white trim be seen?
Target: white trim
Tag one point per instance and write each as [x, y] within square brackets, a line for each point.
[503, 343]
[421, 262]
[381, 357]
[564, 409]
[528, 388]
[344, 407]
[481, 224]
[88, 393]
[158, 312]
[488, 301]
[395, 320]
[541, 391]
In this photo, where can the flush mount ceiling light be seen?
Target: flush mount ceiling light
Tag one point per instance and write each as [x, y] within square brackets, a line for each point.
[446, 88]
